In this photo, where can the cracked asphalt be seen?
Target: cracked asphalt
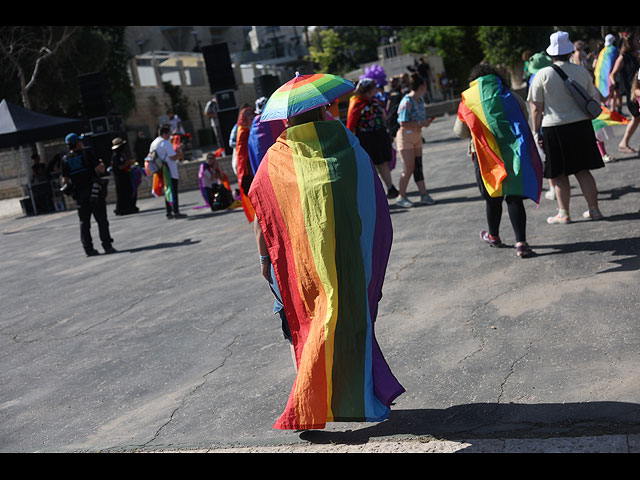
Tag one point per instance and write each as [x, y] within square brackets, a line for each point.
[170, 344]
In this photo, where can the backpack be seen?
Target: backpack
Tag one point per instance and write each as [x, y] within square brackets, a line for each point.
[587, 104]
[152, 162]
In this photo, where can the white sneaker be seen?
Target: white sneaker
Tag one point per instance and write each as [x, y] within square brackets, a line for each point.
[404, 202]
[550, 195]
[427, 200]
[593, 214]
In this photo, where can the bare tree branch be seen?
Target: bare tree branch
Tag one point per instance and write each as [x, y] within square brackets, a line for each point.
[26, 51]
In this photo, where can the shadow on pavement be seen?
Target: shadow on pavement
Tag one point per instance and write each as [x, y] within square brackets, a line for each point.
[494, 420]
[158, 246]
[625, 247]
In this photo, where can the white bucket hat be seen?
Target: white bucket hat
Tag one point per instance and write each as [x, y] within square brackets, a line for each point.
[560, 44]
[609, 39]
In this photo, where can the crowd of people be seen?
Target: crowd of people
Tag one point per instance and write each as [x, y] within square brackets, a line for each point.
[319, 191]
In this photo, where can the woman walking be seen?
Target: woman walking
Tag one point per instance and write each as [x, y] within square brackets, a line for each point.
[366, 118]
[564, 130]
[412, 117]
[507, 165]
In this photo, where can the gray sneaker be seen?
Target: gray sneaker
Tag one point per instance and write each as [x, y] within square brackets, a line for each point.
[427, 200]
[404, 202]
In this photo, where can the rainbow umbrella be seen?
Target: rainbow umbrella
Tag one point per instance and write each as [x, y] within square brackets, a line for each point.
[303, 93]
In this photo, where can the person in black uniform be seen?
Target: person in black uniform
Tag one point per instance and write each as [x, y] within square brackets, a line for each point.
[81, 178]
[122, 175]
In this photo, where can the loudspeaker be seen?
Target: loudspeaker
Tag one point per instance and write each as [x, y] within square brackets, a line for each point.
[218, 65]
[226, 121]
[265, 85]
[95, 93]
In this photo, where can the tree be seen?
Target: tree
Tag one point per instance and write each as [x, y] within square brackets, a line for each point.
[26, 48]
[504, 45]
[51, 78]
[455, 44]
[326, 51]
[338, 49]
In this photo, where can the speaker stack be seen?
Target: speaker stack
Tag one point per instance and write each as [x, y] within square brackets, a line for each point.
[222, 82]
[105, 123]
[265, 85]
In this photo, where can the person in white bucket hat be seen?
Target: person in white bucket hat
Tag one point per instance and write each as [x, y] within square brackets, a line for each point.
[560, 44]
[564, 131]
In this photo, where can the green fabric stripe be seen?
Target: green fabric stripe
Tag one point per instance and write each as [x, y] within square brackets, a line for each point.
[501, 129]
[350, 335]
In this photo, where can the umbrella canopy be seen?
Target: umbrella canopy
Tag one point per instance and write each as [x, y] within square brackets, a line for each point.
[304, 93]
[19, 126]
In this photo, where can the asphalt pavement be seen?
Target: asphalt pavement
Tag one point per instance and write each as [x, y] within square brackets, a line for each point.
[170, 345]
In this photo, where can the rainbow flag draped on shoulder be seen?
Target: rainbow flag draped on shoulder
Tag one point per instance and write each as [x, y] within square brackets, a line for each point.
[325, 219]
[162, 185]
[604, 64]
[507, 154]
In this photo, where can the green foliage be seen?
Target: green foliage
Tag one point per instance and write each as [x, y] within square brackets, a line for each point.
[504, 45]
[338, 49]
[455, 44]
[179, 101]
[326, 51]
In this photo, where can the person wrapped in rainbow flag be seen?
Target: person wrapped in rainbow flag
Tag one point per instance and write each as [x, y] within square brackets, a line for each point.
[324, 235]
[506, 159]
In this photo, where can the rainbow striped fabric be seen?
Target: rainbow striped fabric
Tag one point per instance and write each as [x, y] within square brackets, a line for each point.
[261, 137]
[325, 218]
[162, 185]
[507, 155]
[604, 64]
[303, 93]
[607, 117]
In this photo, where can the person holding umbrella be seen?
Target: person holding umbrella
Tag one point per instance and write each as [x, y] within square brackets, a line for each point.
[324, 236]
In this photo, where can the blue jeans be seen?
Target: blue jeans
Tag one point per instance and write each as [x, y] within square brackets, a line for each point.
[278, 307]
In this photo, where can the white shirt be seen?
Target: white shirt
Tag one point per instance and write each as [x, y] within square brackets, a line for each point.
[173, 123]
[164, 149]
[211, 108]
[208, 178]
[549, 89]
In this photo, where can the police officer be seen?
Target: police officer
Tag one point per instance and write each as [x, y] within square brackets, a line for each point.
[81, 178]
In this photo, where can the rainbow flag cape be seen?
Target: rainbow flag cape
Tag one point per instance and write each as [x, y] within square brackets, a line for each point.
[604, 64]
[607, 117]
[325, 219]
[245, 175]
[356, 105]
[261, 136]
[507, 155]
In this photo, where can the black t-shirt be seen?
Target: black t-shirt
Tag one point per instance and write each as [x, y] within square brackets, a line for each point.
[80, 167]
[117, 161]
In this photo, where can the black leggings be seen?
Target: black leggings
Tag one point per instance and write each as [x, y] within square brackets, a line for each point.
[417, 170]
[517, 215]
[515, 207]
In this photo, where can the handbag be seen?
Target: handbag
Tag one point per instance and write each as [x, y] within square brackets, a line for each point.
[586, 103]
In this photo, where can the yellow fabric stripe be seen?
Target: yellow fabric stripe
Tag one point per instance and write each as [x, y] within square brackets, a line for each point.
[314, 180]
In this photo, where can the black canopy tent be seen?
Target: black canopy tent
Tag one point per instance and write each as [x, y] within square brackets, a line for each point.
[20, 126]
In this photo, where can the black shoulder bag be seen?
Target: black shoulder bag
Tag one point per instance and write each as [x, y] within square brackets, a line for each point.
[579, 94]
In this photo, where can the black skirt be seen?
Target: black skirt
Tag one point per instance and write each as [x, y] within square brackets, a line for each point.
[377, 144]
[570, 149]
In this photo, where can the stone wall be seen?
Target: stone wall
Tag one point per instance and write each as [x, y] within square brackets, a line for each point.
[188, 172]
